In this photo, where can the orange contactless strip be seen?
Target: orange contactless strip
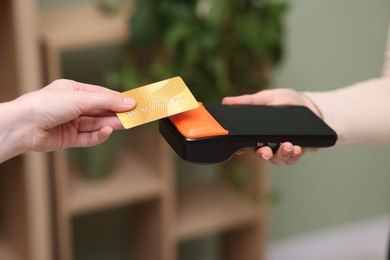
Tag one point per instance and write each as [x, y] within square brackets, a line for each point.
[197, 123]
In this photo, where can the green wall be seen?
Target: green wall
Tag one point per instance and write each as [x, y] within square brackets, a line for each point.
[330, 44]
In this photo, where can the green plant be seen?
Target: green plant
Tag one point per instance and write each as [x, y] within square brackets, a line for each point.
[218, 47]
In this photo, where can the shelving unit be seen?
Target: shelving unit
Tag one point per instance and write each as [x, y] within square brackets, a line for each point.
[166, 215]
[71, 28]
[135, 180]
[211, 209]
[7, 251]
[24, 207]
[12, 213]
[130, 181]
[238, 215]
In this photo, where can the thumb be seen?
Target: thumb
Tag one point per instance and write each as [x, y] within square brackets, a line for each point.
[90, 101]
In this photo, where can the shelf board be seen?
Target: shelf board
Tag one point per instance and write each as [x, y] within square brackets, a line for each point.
[131, 181]
[6, 250]
[209, 209]
[82, 26]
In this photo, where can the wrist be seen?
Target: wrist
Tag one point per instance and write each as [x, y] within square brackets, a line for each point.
[13, 130]
[311, 105]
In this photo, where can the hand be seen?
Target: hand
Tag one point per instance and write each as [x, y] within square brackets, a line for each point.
[63, 114]
[287, 152]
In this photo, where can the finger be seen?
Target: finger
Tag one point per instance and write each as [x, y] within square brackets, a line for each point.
[92, 101]
[283, 153]
[99, 113]
[78, 86]
[238, 100]
[93, 138]
[265, 153]
[67, 84]
[91, 124]
[264, 97]
[295, 155]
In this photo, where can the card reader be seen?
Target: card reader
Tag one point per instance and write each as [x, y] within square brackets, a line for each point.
[212, 134]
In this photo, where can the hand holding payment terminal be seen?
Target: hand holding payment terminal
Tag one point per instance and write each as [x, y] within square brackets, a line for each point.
[213, 133]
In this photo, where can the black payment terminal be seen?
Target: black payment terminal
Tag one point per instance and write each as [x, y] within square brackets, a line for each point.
[213, 133]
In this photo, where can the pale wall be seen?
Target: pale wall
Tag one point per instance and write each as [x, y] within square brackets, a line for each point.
[330, 44]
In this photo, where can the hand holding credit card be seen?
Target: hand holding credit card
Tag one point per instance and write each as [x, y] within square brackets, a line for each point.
[213, 133]
[157, 100]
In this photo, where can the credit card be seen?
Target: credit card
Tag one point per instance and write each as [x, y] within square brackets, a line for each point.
[157, 100]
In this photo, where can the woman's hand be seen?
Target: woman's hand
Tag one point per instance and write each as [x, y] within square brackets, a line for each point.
[287, 152]
[63, 114]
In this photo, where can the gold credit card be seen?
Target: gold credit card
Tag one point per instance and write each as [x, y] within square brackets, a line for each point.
[156, 101]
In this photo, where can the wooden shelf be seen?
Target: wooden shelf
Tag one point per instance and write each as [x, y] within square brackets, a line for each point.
[82, 26]
[132, 180]
[7, 251]
[33, 43]
[145, 179]
[210, 209]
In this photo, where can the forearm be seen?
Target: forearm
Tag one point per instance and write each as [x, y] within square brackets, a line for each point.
[360, 114]
[13, 132]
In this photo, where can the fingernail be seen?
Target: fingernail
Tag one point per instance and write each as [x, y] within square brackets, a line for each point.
[129, 101]
[264, 156]
[286, 151]
[295, 154]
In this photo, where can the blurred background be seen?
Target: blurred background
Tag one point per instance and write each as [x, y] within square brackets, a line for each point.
[131, 197]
